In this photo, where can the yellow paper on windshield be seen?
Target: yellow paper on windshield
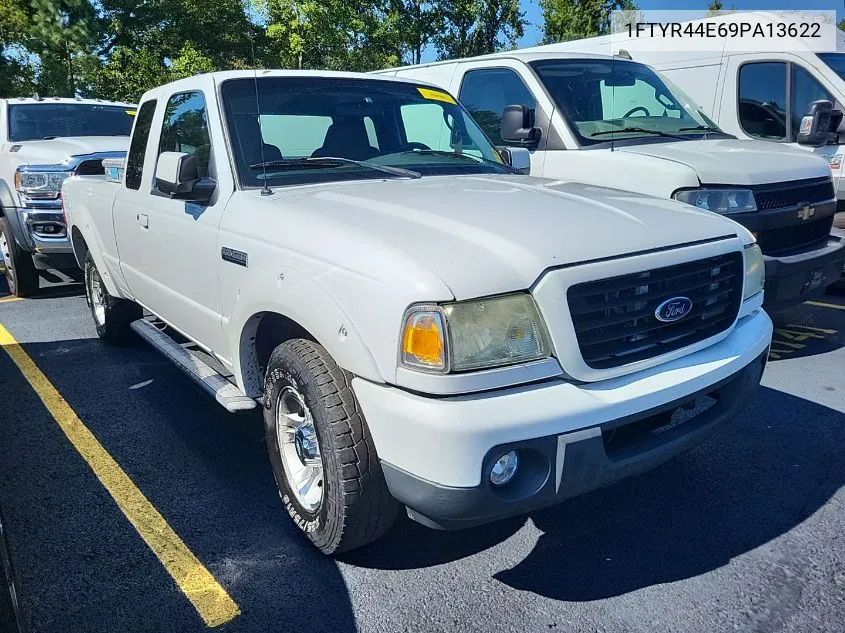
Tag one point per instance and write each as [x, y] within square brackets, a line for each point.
[436, 95]
[131, 112]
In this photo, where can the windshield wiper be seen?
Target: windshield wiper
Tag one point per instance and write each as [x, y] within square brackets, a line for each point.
[703, 128]
[641, 130]
[444, 153]
[335, 161]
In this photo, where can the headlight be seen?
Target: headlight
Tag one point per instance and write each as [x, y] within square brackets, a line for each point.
[719, 200]
[755, 271]
[40, 184]
[478, 334]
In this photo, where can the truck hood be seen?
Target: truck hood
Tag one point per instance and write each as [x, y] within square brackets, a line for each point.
[58, 150]
[736, 162]
[484, 235]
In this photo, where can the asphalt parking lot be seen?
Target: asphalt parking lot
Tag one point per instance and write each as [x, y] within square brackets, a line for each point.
[743, 533]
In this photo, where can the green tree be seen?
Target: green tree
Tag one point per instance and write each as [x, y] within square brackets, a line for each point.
[17, 73]
[575, 19]
[478, 27]
[841, 25]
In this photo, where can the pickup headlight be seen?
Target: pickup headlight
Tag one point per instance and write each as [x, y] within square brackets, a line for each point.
[755, 271]
[40, 184]
[473, 335]
[719, 200]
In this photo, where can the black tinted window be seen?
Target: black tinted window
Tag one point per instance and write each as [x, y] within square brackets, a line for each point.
[138, 145]
[805, 90]
[762, 100]
[185, 128]
[30, 122]
[486, 93]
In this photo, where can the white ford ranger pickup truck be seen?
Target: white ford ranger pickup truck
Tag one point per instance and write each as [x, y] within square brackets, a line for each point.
[42, 142]
[422, 325]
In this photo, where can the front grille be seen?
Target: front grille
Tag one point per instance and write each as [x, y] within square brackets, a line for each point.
[794, 238]
[615, 321]
[790, 194]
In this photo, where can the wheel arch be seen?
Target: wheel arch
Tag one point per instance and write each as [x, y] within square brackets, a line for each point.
[266, 329]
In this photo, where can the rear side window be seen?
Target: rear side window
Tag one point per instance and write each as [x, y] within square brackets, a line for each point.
[486, 93]
[185, 128]
[762, 100]
[138, 145]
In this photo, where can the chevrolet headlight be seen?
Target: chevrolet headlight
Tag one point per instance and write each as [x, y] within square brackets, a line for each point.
[474, 335]
[755, 271]
[719, 200]
[40, 184]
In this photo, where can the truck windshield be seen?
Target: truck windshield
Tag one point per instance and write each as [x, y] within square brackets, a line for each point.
[36, 121]
[361, 122]
[834, 61]
[625, 100]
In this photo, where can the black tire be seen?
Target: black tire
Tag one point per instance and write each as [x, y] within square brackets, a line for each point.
[21, 274]
[113, 325]
[356, 506]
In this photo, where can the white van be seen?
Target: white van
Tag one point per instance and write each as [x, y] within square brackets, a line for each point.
[750, 94]
[609, 121]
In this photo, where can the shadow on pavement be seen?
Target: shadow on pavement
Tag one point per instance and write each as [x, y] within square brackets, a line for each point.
[81, 565]
[755, 480]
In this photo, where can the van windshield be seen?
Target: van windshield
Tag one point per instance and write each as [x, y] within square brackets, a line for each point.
[365, 125]
[626, 101]
[36, 121]
[834, 61]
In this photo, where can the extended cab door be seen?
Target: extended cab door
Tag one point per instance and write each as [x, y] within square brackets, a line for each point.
[177, 240]
[485, 88]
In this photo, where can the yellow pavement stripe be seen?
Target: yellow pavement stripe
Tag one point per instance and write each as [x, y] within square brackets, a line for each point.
[9, 299]
[821, 304]
[214, 605]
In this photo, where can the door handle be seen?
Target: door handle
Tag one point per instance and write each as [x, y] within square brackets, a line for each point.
[144, 220]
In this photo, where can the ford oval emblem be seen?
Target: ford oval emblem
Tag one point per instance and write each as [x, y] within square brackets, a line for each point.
[673, 309]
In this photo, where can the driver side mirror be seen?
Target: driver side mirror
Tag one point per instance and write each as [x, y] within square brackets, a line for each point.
[516, 127]
[819, 124]
[177, 176]
[517, 158]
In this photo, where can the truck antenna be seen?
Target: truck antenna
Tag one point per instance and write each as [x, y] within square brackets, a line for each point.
[265, 190]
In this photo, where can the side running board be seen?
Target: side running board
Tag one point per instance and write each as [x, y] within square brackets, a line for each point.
[227, 394]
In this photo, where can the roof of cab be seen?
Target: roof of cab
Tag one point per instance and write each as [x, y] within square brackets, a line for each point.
[223, 75]
[525, 55]
[36, 100]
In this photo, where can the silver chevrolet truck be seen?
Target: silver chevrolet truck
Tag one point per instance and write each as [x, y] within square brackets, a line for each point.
[42, 142]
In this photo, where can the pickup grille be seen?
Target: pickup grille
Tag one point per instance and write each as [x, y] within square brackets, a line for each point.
[615, 321]
[794, 238]
[790, 194]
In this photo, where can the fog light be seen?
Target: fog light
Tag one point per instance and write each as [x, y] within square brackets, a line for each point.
[504, 469]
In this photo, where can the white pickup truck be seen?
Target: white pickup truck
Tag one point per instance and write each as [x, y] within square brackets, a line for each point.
[422, 326]
[42, 142]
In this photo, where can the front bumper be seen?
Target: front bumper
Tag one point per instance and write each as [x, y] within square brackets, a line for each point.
[435, 452]
[793, 279]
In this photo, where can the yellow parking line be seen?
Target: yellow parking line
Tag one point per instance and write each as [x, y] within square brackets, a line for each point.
[9, 299]
[821, 304]
[214, 605]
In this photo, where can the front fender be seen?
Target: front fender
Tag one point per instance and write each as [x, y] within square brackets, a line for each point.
[292, 294]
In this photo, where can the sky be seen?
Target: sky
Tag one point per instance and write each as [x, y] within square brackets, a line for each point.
[533, 32]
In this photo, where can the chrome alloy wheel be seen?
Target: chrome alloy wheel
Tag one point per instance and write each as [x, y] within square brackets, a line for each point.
[299, 448]
[97, 296]
[5, 252]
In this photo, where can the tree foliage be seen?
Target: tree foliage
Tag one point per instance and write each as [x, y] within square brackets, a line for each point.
[575, 19]
[117, 49]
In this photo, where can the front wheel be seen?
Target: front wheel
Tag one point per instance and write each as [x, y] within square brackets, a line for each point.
[112, 316]
[323, 457]
[21, 274]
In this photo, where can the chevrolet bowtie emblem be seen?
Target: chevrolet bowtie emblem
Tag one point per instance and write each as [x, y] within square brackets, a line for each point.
[806, 212]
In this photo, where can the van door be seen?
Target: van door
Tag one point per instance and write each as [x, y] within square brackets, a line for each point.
[770, 96]
[486, 88]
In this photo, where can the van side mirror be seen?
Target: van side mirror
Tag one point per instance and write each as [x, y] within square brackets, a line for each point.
[819, 124]
[516, 127]
[177, 176]
[517, 158]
